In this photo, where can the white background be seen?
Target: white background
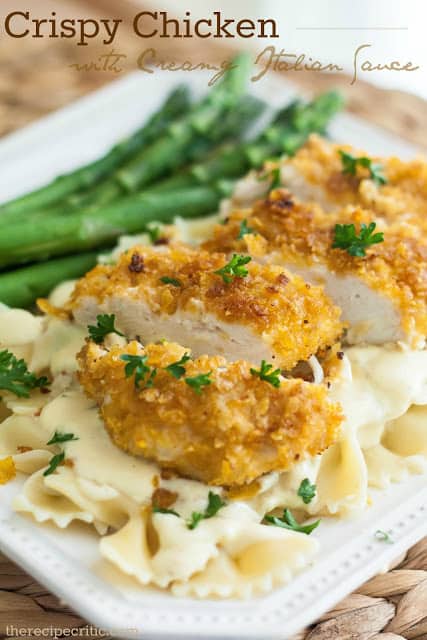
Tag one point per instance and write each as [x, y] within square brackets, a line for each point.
[403, 33]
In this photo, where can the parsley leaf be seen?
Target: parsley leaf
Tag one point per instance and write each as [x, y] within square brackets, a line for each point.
[214, 505]
[346, 238]
[104, 326]
[173, 281]
[176, 369]
[196, 517]
[150, 381]
[234, 268]
[266, 373]
[153, 232]
[383, 536]
[376, 174]
[58, 438]
[306, 491]
[156, 509]
[274, 176]
[15, 377]
[244, 229]
[54, 463]
[350, 164]
[137, 365]
[198, 382]
[287, 521]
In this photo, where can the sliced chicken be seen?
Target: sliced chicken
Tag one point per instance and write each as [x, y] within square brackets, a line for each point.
[177, 293]
[383, 295]
[235, 428]
[318, 173]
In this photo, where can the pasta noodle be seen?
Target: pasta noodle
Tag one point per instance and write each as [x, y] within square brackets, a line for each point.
[383, 392]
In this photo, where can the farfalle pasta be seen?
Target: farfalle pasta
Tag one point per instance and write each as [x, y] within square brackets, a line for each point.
[383, 393]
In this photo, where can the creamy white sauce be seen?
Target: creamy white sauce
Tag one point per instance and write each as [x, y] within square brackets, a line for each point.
[383, 392]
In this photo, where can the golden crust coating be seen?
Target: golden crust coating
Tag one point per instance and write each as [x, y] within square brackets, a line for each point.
[403, 198]
[237, 429]
[290, 232]
[294, 318]
[7, 470]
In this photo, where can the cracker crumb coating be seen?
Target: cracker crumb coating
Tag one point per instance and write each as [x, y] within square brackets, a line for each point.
[298, 234]
[237, 429]
[293, 318]
[402, 199]
[7, 470]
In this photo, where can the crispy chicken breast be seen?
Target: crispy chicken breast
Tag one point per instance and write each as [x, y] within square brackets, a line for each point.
[228, 432]
[317, 173]
[383, 295]
[177, 293]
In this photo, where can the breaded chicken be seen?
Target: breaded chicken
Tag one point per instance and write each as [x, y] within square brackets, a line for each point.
[317, 173]
[236, 428]
[383, 295]
[177, 293]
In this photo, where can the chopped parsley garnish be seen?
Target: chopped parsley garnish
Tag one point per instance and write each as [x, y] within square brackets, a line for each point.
[54, 463]
[273, 176]
[137, 365]
[244, 229]
[177, 369]
[350, 164]
[346, 238]
[59, 437]
[104, 326]
[56, 460]
[234, 268]
[198, 382]
[306, 491]
[266, 373]
[173, 281]
[153, 233]
[15, 377]
[156, 509]
[287, 521]
[383, 536]
[214, 505]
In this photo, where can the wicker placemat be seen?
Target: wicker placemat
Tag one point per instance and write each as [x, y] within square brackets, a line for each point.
[35, 78]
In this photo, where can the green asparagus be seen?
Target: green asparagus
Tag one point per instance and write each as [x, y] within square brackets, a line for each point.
[232, 125]
[187, 193]
[288, 131]
[171, 150]
[56, 235]
[176, 104]
[19, 288]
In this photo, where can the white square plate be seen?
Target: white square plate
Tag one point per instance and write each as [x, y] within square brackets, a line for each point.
[68, 561]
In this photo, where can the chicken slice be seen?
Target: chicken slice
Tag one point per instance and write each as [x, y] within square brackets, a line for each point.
[316, 173]
[173, 292]
[383, 295]
[235, 429]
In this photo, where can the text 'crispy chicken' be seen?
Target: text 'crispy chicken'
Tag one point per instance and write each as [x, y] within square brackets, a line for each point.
[383, 295]
[176, 293]
[237, 428]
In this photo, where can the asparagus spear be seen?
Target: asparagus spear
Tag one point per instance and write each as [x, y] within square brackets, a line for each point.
[19, 288]
[84, 177]
[232, 125]
[287, 132]
[56, 235]
[170, 151]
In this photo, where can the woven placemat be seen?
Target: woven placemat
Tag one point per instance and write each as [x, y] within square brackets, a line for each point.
[35, 79]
